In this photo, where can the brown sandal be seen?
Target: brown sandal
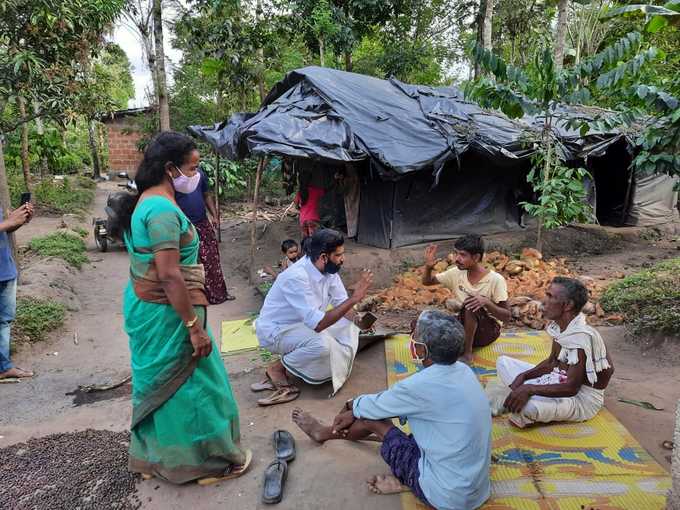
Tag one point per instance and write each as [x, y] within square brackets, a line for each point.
[234, 473]
[281, 396]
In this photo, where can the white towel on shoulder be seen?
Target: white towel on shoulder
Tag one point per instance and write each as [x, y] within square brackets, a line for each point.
[579, 335]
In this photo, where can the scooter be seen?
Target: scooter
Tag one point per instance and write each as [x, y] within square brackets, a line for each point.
[102, 230]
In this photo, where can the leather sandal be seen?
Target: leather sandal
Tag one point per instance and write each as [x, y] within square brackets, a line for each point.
[281, 396]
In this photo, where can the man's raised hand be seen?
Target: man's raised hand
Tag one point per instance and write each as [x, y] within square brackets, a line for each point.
[431, 255]
[361, 288]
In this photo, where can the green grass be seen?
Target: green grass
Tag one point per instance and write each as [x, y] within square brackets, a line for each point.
[264, 287]
[649, 300]
[81, 232]
[68, 247]
[63, 197]
[37, 317]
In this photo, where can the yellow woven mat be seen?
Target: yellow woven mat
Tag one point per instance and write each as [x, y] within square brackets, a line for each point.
[594, 465]
[238, 336]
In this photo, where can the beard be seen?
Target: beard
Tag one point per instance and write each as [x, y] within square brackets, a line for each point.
[332, 267]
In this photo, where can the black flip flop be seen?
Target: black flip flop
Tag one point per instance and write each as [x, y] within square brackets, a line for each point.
[274, 479]
[284, 445]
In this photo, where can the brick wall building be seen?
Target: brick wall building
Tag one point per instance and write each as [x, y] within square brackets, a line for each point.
[123, 134]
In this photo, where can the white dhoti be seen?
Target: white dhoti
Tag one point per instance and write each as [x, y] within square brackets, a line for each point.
[317, 358]
[582, 406]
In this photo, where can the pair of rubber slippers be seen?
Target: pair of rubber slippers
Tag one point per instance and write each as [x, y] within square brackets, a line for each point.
[276, 473]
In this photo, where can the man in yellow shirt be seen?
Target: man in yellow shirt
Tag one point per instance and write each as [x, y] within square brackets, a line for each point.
[482, 293]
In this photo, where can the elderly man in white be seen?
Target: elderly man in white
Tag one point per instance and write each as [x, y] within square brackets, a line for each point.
[308, 319]
[569, 385]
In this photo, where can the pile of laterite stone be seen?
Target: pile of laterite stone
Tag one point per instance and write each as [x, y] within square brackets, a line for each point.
[527, 277]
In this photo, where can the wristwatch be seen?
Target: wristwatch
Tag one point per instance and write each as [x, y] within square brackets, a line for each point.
[190, 324]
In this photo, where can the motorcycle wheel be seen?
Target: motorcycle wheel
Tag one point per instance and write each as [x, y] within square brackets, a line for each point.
[101, 242]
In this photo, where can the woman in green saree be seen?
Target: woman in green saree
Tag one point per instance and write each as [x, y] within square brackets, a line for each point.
[185, 423]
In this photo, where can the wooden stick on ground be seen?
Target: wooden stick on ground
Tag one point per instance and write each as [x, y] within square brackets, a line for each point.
[286, 211]
[253, 224]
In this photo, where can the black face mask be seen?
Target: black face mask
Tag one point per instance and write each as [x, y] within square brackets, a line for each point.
[331, 267]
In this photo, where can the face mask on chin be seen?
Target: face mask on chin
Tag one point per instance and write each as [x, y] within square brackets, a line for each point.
[184, 184]
[414, 353]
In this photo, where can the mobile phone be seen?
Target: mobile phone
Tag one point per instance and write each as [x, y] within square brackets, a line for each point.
[367, 321]
[25, 198]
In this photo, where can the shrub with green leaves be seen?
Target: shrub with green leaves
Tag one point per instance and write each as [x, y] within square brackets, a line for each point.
[649, 300]
[63, 197]
[37, 317]
[68, 247]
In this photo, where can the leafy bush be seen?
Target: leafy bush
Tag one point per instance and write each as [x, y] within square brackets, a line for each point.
[649, 300]
[234, 177]
[81, 232]
[86, 182]
[15, 181]
[63, 197]
[66, 246]
[37, 317]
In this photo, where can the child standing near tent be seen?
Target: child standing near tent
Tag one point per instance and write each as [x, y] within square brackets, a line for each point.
[307, 200]
[482, 293]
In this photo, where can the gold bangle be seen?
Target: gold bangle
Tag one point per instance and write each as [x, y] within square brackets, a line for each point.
[190, 324]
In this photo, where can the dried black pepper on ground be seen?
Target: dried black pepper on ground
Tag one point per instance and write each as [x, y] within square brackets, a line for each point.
[78, 470]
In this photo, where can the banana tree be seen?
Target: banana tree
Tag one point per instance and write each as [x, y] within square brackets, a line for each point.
[537, 90]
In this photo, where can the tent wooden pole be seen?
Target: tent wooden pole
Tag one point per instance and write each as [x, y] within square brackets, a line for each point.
[626, 201]
[253, 220]
[217, 196]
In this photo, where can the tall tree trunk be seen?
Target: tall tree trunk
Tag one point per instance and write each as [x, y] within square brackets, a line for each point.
[260, 57]
[25, 163]
[322, 59]
[163, 106]
[40, 129]
[96, 169]
[5, 201]
[484, 29]
[103, 164]
[560, 33]
[150, 61]
[348, 61]
[674, 496]
[260, 75]
[488, 25]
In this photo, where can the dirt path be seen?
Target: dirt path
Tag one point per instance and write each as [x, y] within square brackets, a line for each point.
[329, 476]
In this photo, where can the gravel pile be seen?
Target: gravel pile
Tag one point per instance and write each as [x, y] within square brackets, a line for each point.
[78, 470]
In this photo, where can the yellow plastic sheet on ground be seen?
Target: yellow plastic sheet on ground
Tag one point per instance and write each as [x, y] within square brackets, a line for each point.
[594, 465]
[238, 336]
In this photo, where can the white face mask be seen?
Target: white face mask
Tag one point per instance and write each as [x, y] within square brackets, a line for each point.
[184, 184]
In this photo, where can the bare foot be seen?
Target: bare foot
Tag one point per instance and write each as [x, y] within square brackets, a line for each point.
[17, 372]
[311, 426]
[385, 484]
[276, 373]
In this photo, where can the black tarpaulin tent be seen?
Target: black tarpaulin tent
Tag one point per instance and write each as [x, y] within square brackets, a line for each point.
[432, 165]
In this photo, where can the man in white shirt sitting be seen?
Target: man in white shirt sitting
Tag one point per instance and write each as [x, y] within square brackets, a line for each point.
[569, 385]
[316, 344]
[445, 461]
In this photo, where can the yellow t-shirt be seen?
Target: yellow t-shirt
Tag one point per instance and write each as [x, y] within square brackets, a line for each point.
[491, 286]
